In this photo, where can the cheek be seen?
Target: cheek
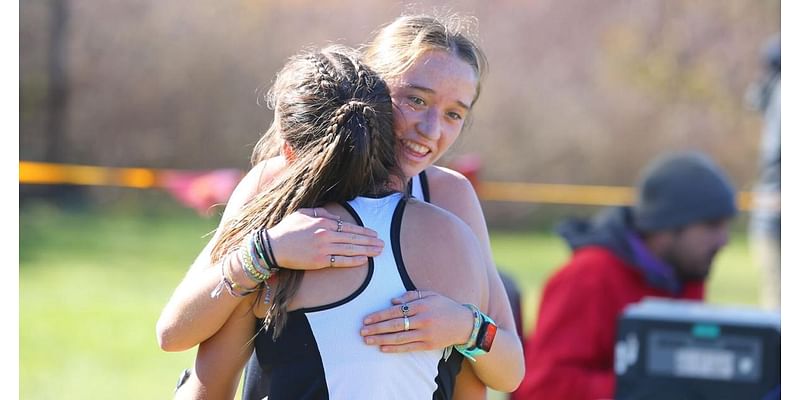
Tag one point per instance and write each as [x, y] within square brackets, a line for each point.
[449, 137]
[399, 121]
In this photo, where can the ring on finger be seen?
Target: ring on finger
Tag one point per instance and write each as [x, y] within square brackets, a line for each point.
[406, 323]
[333, 259]
[419, 296]
[339, 224]
[404, 309]
[315, 212]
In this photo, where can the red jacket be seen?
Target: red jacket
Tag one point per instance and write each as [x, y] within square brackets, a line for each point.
[570, 355]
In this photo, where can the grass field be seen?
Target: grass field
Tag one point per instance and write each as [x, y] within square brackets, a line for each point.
[92, 286]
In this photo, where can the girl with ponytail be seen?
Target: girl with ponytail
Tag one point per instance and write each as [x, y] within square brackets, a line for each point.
[433, 69]
[333, 120]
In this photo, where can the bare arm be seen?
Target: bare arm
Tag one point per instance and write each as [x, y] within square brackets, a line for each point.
[300, 241]
[454, 193]
[191, 315]
[221, 358]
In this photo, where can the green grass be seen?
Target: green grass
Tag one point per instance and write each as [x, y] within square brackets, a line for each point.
[92, 286]
[91, 289]
[531, 257]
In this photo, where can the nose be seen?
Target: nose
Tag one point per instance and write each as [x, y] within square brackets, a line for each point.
[430, 125]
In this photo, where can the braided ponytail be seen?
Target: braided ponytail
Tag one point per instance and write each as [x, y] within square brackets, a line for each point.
[336, 114]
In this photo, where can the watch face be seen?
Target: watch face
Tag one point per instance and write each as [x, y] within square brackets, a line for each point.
[488, 337]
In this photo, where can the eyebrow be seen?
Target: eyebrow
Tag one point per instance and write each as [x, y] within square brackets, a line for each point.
[431, 91]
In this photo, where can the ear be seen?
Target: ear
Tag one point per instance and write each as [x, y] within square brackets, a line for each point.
[287, 151]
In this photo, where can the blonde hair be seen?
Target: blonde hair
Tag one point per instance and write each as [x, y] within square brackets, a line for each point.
[396, 46]
[336, 115]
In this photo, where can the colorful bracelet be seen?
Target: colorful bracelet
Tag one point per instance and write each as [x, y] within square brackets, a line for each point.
[477, 320]
[247, 264]
[255, 242]
[232, 287]
[480, 341]
[272, 262]
[258, 262]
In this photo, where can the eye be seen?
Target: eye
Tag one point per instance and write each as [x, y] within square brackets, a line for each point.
[416, 100]
[455, 116]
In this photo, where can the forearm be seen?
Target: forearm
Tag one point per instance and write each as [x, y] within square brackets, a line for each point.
[468, 386]
[503, 367]
[192, 315]
[221, 358]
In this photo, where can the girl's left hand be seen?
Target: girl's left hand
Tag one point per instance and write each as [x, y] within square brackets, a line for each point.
[434, 322]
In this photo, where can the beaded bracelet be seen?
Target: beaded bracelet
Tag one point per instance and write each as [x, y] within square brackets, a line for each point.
[255, 257]
[261, 253]
[256, 244]
[232, 287]
[477, 321]
[247, 264]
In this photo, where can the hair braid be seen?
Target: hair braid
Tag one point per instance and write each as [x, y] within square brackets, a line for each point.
[336, 115]
[324, 75]
[363, 75]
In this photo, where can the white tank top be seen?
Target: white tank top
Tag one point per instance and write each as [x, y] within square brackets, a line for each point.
[320, 353]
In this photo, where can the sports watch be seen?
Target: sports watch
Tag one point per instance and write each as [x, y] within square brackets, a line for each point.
[484, 340]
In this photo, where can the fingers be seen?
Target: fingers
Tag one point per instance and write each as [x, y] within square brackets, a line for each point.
[354, 239]
[386, 315]
[397, 342]
[345, 261]
[404, 348]
[330, 222]
[348, 229]
[353, 250]
[318, 212]
[397, 338]
[410, 296]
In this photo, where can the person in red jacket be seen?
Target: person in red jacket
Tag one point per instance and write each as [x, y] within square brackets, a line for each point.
[663, 246]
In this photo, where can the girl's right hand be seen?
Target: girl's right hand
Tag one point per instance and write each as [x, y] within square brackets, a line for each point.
[307, 239]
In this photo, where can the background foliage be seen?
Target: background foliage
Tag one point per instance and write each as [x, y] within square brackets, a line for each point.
[578, 92]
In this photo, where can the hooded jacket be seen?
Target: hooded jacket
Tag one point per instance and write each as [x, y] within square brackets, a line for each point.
[570, 354]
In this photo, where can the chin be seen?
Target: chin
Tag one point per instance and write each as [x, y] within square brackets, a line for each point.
[409, 171]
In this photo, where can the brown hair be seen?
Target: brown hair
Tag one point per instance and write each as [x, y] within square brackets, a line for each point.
[399, 44]
[336, 115]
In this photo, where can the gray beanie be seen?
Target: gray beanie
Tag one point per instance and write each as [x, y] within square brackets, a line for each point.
[680, 189]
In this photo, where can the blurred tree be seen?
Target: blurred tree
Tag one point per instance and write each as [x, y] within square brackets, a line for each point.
[58, 84]
[578, 92]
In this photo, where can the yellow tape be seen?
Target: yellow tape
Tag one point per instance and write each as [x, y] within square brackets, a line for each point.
[48, 173]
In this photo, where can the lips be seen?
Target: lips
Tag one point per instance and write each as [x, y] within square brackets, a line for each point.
[415, 149]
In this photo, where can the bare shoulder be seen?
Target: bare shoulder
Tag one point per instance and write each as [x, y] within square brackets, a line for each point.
[254, 181]
[441, 252]
[444, 180]
[454, 192]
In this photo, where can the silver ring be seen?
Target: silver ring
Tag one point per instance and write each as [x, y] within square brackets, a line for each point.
[333, 259]
[315, 212]
[339, 224]
[419, 296]
[406, 323]
[404, 309]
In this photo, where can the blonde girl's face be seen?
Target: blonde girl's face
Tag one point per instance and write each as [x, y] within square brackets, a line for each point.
[432, 99]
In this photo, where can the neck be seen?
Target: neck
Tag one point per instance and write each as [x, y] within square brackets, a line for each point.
[397, 183]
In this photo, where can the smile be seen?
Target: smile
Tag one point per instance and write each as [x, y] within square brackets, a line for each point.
[416, 148]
